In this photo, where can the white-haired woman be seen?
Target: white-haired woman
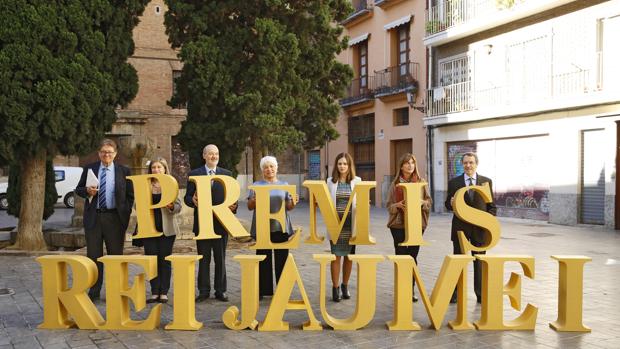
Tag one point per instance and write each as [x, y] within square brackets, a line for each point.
[269, 168]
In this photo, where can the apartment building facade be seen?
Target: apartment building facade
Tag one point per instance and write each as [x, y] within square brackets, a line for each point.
[381, 117]
[532, 87]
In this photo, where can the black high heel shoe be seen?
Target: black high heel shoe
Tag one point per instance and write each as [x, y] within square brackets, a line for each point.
[154, 299]
[345, 291]
[336, 294]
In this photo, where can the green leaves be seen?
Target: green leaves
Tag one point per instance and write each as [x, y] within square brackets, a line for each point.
[257, 72]
[63, 71]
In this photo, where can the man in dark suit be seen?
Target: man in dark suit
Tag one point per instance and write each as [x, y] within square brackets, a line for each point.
[211, 155]
[474, 234]
[107, 208]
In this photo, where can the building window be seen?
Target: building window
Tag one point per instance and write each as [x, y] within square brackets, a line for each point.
[454, 70]
[401, 117]
[363, 63]
[362, 128]
[403, 49]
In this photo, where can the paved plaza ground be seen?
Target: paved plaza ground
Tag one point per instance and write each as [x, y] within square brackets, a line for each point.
[21, 312]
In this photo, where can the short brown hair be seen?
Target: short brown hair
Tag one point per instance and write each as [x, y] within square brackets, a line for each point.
[109, 142]
[469, 153]
[350, 173]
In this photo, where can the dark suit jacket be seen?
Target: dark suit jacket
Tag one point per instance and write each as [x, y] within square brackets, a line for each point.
[123, 194]
[474, 234]
[217, 196]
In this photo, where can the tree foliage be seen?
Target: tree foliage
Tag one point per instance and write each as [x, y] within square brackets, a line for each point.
[13, 190]
[63, 72]
[262, 73]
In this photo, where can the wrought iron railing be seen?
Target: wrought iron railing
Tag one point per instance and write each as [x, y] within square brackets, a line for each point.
[449, 13]
[397, 78]
[360, 89]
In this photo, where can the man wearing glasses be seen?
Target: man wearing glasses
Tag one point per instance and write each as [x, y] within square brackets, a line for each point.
[107, 208]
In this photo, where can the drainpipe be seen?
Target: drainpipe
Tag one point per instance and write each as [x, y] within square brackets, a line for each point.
[429, 128]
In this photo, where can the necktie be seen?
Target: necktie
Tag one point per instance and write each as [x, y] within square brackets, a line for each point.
[102, 180]
[471, 192]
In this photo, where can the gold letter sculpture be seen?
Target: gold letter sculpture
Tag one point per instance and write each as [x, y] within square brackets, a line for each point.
[64, 307]
[144, 201]
[280, 302]
[206, 209]
[493, 289]
[570, 294]
[184, 310]
[118, 292]
[366, 291]
[249, 295]
[319, 195]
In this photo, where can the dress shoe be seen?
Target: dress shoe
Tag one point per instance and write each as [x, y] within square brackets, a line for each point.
[479, 299]
[163, 298]
[94, 296]
[154, 299]
[345, 291]
[202, 297]
[414, 298]
[221, 297]
[453, 299]
[336, 294]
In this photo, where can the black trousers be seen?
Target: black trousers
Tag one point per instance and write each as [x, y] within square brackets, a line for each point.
[217, 248]
[399, 237]
[161, 247]
[107, 229]
[477, 268]
[267, 267]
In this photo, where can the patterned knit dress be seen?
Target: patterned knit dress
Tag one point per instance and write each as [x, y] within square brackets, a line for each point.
[342, 247]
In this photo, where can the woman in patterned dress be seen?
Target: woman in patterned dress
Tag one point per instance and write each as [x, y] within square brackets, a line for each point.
[406, 172]
[341, 185]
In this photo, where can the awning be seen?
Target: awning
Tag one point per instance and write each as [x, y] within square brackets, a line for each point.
[397, 22]
[359, 39]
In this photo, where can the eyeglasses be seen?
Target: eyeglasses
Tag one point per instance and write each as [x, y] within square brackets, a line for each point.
[107, 152]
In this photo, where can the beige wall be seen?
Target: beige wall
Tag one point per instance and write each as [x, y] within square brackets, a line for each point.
[382, 54]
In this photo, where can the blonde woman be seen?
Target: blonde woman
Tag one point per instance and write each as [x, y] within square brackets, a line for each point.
[406, 172]
[161, 246]
[341, 184]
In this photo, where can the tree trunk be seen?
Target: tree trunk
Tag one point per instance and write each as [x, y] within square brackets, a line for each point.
[257, 174]
[30, 226]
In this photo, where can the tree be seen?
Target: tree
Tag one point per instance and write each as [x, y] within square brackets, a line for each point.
[258, 73]
[63, 71]
[13, 191]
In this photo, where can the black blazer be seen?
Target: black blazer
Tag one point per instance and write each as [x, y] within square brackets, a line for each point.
[473, 233]
[123, 195]
[217, 196]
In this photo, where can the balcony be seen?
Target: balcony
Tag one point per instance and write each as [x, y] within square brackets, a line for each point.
[387, 3]
[362, 10]
[397, 79]
[450, 20]
[361, 90]
[527, 94]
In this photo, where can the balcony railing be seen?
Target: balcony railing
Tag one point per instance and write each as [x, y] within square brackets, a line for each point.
[466, 96]
[360, 8]
[360, 90]
[449, 13]
[397, 79]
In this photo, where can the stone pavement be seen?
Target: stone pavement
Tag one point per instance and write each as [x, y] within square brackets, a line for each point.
[21, 312]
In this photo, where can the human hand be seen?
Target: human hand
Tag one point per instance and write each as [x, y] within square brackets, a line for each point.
[195, 199]
[170, 206]
[452, 201]
[233, 207]
[92, 191]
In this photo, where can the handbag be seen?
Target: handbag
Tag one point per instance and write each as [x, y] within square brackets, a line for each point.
[136, 242]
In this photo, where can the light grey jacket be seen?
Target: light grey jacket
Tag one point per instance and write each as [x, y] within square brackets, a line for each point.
[168, 219]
